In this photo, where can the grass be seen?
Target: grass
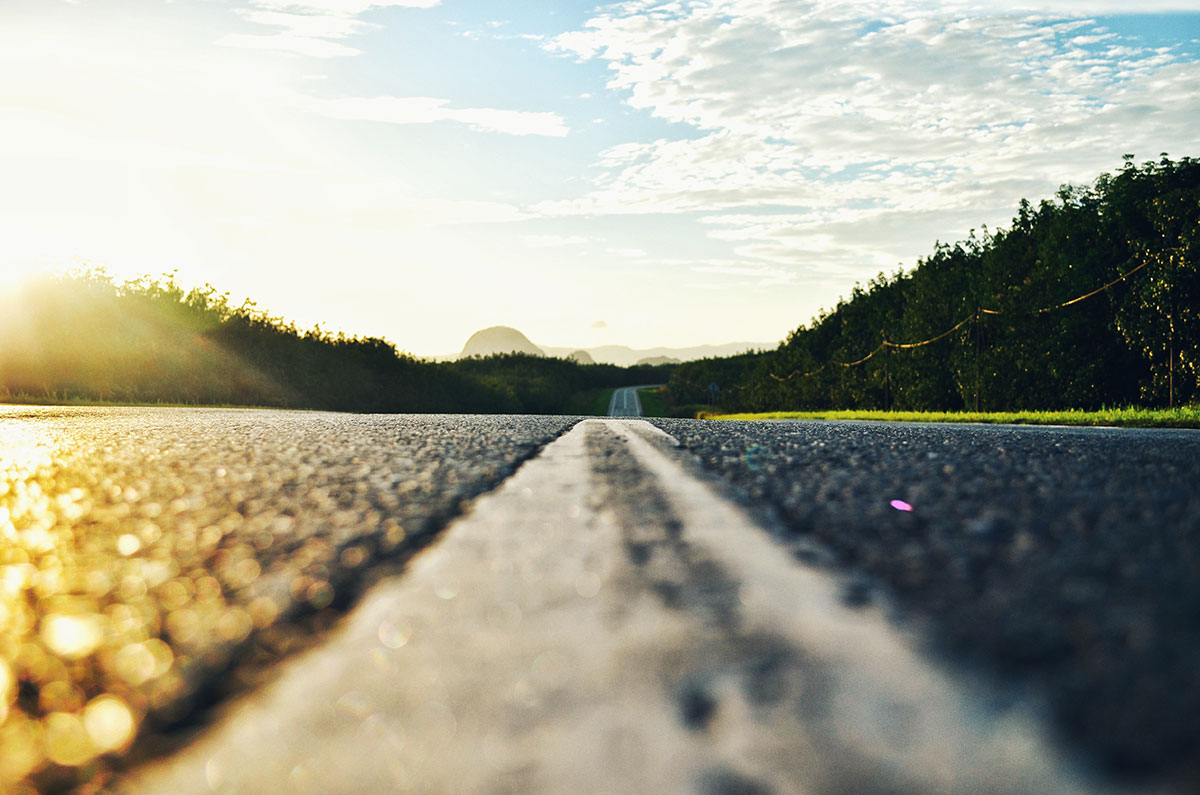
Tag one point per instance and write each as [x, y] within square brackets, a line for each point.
[653, 404]
[23, 399]
[590, 402]
[1183, 417]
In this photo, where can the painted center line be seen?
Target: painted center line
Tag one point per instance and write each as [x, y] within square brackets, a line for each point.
[605, 622]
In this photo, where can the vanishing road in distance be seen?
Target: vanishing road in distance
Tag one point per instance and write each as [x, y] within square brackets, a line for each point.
[240, 601]
[625, 401]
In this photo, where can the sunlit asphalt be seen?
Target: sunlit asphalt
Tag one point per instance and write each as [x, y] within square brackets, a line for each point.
[156, 560]
[145, 550]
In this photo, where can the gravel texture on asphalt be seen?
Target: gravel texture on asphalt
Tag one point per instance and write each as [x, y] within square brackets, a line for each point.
[604, 622]
[146, 551]
[1063, 561]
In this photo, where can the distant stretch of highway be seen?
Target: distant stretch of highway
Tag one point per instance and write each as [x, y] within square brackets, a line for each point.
[560, 604]
[625, 401]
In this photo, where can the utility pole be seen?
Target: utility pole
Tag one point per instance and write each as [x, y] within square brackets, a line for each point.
[887, 373]
[1171, 356]
[978, 345]
[1171, 331]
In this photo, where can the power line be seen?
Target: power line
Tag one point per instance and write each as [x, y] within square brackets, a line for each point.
[1065, 304]
[974, 316]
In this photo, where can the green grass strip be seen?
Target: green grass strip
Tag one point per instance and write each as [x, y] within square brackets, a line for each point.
[652, 402]
[1183, 417]
[590, 402]
[67, 400]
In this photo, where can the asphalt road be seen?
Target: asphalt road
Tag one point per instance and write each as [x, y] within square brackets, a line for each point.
[606, 622]
[625, 402]
[155, 560]
[1065, 560]
[159, 560]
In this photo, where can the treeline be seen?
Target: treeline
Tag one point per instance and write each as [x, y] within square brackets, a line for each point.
[544, 385]
[83, 337]
[993, 321]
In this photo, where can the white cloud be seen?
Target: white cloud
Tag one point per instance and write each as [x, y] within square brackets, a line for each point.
[1093, 7]
[427, 110]
[322, 26]
[344, 7]
[850, 135]
[310, 27]
[553, 241]
[758, 275]
[283, 42]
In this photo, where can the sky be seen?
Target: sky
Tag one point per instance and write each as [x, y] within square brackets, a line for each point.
[642, 173]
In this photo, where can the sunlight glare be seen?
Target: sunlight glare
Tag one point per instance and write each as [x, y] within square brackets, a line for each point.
[109, 722]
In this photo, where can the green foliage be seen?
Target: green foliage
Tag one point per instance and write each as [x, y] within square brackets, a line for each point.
[1024, 342]
[543, 385]
[591, 402]
[80, 337]
[653, 404]
[1133, 417]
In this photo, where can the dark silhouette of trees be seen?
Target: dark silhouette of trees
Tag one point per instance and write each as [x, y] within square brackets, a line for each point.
[1024, 342]
[81, 336]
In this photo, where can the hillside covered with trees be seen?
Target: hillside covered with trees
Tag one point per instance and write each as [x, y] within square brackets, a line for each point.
[1086, 300]
[83, 337]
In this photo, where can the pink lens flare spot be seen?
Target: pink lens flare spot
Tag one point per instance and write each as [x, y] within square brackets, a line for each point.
[901, 505]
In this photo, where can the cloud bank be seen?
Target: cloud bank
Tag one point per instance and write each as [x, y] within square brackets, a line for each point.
[427, 110]
[846, 135]
[312, 28]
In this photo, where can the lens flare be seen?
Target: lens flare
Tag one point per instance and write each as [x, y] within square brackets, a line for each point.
[67, 741]
[72, 636]
[109, 722]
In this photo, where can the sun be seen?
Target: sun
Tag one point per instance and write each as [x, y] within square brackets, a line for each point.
[15, 273]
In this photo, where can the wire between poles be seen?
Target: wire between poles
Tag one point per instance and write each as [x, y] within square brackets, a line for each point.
[1065, 304]
[973, 316]
[944, 334]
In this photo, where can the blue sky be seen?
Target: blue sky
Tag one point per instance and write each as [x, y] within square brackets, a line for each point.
[644, 173]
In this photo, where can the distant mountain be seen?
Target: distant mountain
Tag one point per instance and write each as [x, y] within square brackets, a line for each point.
[503, 339]
[625, 356]
[499, 339]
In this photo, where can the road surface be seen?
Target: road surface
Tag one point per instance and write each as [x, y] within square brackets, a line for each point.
[1069, 557]
[606, 623]
[683, 606]
[148, 550]
[625, 401]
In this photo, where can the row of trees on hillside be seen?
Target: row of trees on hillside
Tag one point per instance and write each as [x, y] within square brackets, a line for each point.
[993, 321]
[81, 336]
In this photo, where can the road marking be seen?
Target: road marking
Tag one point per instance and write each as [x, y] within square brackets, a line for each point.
[605, 622]
[625, 403]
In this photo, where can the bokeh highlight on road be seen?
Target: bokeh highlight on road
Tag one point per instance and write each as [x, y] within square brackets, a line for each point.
[146, 550]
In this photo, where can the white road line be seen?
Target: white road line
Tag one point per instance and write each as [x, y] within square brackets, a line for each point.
[530, 650]
[626, 402]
